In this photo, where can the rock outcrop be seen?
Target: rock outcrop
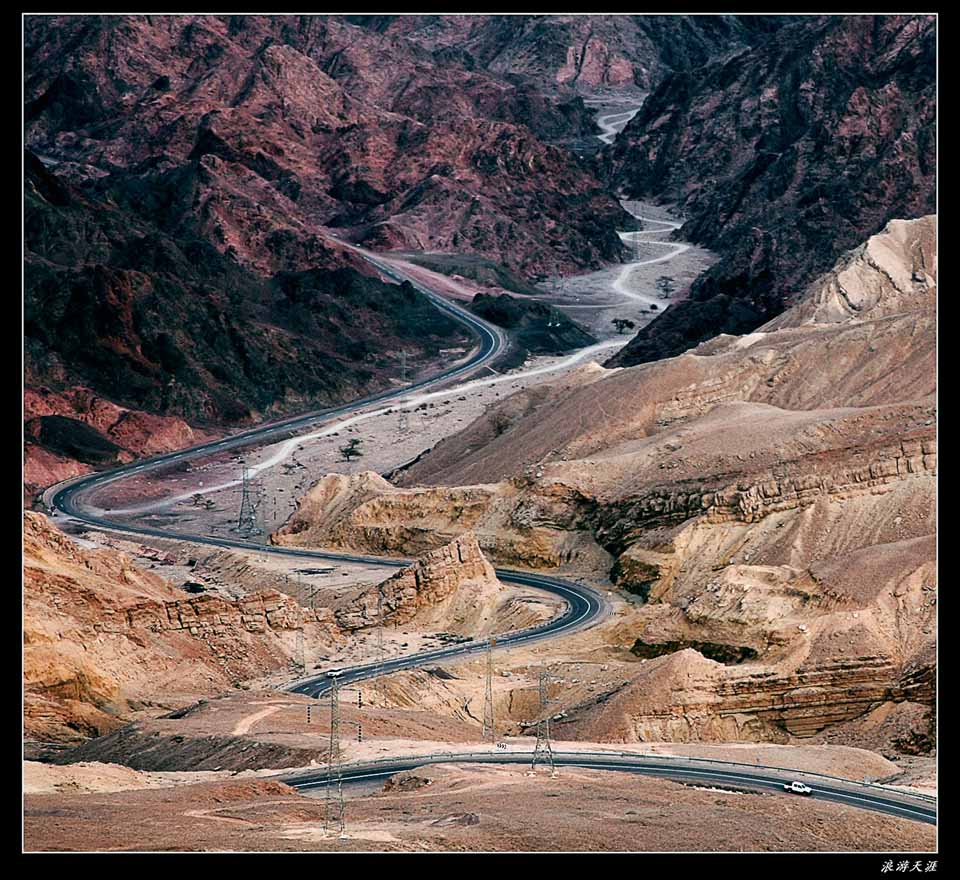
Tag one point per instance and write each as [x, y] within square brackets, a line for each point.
[104, 639]
[686, 698]
[451, 581]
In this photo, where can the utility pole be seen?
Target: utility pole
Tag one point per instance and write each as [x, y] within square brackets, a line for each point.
[543, 751]
[334, 813]
[489, 728]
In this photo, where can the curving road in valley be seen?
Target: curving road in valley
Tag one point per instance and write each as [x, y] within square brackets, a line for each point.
[584, 605]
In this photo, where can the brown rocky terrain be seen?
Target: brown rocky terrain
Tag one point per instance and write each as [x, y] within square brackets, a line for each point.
[453, 587]
[104, 639]
[260, 130]
[454, 808]
[185, 336]
[758, 509]
[584, 53]
[769, 498]
[782, 157]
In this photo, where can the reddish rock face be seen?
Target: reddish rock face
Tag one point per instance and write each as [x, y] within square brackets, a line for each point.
[270, 127]
[133, 334]
[182, 175]
[431, 580]
[782, 158]
[583, 52]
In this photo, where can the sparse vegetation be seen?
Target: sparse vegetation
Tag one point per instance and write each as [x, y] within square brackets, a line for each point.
[352, 449]
[500, 422]
[666, 285]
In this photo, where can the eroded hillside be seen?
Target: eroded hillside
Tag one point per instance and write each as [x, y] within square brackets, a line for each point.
[770, 498]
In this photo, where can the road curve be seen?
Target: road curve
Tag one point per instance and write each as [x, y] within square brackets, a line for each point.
[493, 341]
[584, 605]
[681, 769]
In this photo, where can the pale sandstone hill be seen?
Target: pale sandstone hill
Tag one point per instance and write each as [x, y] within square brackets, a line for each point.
[774, 492]
[893, 272]
[104, 639]
[451, 589]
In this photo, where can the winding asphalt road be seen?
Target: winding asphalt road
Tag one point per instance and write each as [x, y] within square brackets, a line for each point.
[584, 605]
[698, 771]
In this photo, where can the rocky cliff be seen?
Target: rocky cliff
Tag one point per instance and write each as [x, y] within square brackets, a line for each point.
[452, 583]
[782, 158]
[104, 640]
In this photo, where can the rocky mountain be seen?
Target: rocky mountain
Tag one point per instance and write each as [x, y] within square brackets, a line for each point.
[581, 53]
[770, 498]
[134, 334]
[257, 131]
[782, 157]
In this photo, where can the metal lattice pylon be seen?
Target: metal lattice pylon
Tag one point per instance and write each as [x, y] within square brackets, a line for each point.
[334, 811]
[403, 423]
[543, 751]
[379, 630]
[489, 727]
[250, 497]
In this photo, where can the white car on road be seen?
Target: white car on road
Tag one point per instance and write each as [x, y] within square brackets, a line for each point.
[798, 788]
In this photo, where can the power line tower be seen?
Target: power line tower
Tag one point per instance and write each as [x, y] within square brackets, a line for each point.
[250, 497]
[379, 630]
[403, 423]
[543, 750]
[334, 811]
[489, 728]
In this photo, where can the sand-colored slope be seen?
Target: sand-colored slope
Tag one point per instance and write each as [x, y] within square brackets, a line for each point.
[774, 492]
[104, 640]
